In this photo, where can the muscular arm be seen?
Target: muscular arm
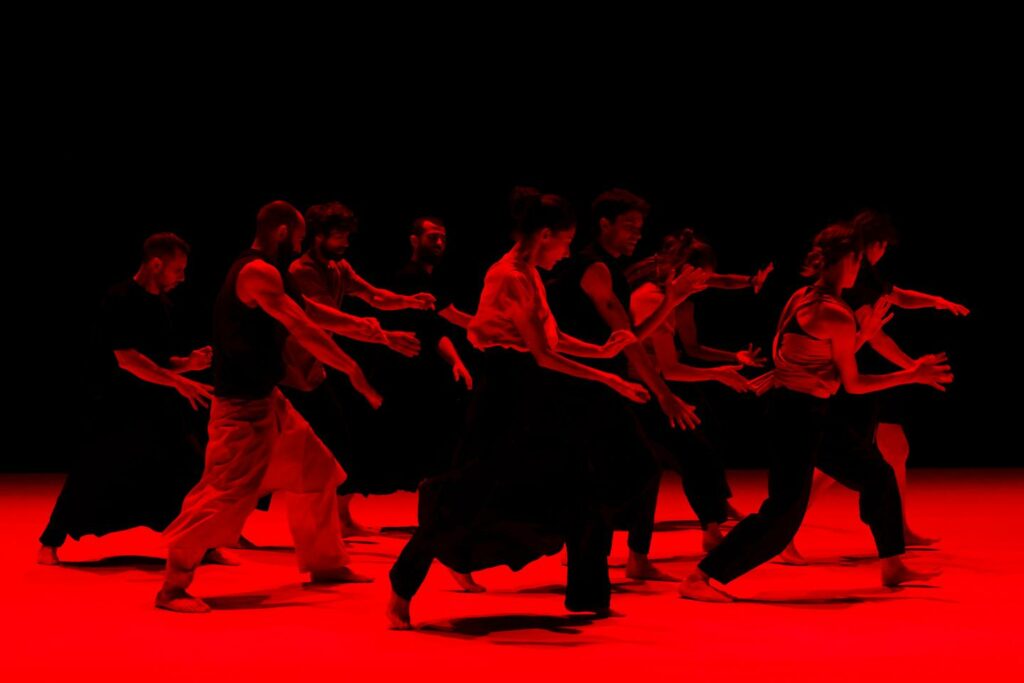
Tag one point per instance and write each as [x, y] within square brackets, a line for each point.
[140, 365]
[260, 284]
[597, 283]
[354, 327]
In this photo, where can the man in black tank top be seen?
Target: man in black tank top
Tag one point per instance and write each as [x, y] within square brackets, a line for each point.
[258, 442]
[589, 296]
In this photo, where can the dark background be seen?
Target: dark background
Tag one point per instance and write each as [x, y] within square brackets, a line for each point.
[755, 174]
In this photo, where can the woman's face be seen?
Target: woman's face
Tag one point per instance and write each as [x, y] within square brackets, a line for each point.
[554, 246]
[875, 251]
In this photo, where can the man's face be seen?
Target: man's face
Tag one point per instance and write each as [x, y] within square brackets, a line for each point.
[429, 246]
[622, 234]
[334, 245]
[170, 271]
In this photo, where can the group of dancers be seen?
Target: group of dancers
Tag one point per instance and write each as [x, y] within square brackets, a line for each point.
[556, 439]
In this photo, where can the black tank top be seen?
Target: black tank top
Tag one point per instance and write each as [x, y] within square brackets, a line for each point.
[575, 311]
[247, 342]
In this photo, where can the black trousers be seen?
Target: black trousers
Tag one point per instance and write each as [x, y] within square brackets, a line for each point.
[804, 433]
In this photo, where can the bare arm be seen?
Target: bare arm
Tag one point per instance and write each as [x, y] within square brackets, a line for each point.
[532, 331]
[835, 323]
[597, 284]
[385, 299]
[674, 371]
[455, 316]
[884, 344]
[906, 298]
[143, 367]
[446, 349]
[260, 284]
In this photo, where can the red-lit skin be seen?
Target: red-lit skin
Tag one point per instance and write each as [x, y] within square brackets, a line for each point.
[890, 438]
[333, 247]
[158, 276]
[543, 250]
[428, 249]
[325, 312]
[835, 322]
[259, 284]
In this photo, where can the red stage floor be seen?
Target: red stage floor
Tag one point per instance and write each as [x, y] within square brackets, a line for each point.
[831, 621]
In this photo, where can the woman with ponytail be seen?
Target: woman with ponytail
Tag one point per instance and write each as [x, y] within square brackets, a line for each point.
[814, 353]
[520, 488]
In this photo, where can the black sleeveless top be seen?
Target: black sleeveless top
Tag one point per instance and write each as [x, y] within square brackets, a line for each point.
[575, 311]
[247, 342]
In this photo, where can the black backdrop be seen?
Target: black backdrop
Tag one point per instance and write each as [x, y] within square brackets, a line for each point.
[756, 184]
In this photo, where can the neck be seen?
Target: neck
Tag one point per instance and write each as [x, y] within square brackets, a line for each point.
[264, 246]
[147, 282]
[428, 267]
[526, 252]
[603, 242]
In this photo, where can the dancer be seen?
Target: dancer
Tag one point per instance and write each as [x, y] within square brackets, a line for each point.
[145, 451]
[590, 296]
[521, 488]
[258, 442]
[814, 353]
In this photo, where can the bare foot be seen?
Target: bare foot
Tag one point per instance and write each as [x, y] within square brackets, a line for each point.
[733, 513]
[916, 539]
[339, 575]
[244, 543]
[711, 538]
[218, 556]
[398, 613]
[895, 573]
[791, 556]
[467, 582]
[639, 567]
[697, 587]
[177, 600]
[48, 556]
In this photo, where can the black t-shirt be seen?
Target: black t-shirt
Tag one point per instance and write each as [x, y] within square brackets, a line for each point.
[130, 318]
[428, 325]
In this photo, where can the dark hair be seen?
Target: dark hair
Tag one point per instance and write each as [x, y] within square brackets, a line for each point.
[875, 226]
[674, 251]
[615, 202]
[164, 245]
[323, 219]
[533, 211]
[701, 255]
[830, 246]
[276, 214]
[419, 225]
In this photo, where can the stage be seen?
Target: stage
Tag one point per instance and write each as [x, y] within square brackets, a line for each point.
[830, 621]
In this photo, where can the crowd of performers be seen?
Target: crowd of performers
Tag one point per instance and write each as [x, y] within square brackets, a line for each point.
[558, 437]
